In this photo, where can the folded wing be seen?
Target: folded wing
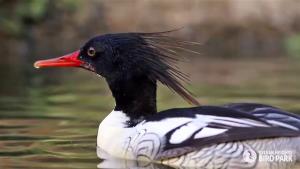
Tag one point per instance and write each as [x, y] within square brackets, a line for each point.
[188, 129]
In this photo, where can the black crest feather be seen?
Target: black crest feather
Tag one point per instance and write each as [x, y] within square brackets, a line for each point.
[160, 52]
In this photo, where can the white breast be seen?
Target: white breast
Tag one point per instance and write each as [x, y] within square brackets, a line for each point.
[113, 134]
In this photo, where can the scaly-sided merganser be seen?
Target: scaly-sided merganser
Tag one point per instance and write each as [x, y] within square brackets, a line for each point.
[228, 136]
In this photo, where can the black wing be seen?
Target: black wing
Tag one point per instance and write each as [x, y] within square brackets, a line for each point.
[271, 114]
[209, 125]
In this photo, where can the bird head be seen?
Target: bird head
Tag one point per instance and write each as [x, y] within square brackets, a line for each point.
[128, 55]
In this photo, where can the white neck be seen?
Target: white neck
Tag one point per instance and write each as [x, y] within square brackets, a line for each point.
[113, 132]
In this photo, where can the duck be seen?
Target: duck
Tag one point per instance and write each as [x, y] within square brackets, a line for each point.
[234, 135]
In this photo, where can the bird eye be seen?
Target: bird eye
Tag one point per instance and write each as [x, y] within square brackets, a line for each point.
[91, 52]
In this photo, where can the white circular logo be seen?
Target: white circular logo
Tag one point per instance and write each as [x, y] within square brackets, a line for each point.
[249, 156]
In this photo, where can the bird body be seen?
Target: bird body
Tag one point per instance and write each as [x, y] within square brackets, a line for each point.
[209, 139]
[229, 136]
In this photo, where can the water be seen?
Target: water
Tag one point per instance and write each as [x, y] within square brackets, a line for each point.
[49, 118]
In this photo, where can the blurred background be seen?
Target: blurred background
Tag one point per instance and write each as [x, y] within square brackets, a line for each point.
[250, 52]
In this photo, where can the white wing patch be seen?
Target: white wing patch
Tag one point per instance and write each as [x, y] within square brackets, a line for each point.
[238, 122]
[278, 123]
[234, 122]
[208, 131]
[184, 132]
[163, 126]
[196, 127]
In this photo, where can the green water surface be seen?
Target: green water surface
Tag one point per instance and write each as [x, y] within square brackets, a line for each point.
[49, 118]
